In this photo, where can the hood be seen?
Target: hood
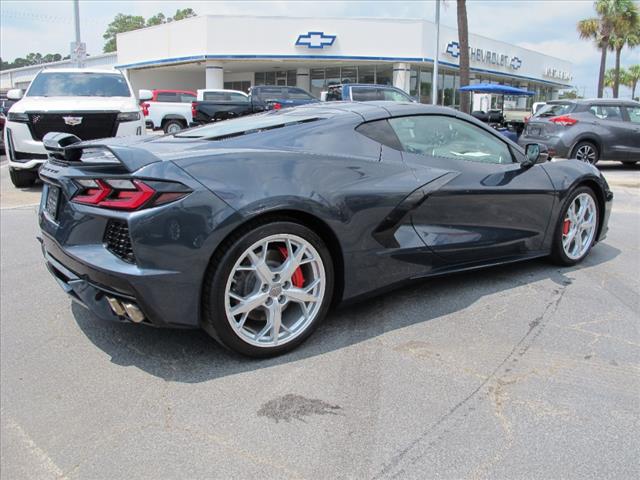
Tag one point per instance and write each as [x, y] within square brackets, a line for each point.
[74, 104]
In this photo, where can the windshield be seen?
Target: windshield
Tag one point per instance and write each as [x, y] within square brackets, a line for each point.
[244, 125]
[555, 109]
[79, 84]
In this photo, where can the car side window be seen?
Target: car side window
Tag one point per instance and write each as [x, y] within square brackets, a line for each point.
[394, 96]
[167, 97]
[365, 94]
[449, 137]
[187, 98]
[238, 98]
[634, 114]
[607, 112]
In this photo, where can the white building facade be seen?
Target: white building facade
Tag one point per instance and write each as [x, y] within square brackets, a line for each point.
[312, 53]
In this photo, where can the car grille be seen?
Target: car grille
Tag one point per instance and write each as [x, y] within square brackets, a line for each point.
[91, 126]
[118, 241]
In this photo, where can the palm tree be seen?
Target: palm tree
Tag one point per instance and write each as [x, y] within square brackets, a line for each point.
[463, 38]
[626, 33]
[633, 77]
[612, 15]
[610, 78]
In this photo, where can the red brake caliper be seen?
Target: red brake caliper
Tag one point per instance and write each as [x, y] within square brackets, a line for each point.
[297, 279]
[565, 226]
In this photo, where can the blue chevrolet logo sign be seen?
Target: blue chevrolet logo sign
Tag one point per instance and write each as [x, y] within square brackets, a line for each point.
[315, 40]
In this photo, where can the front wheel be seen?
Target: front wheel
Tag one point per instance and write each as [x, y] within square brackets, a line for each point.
[577, 227]
[586, 152]
[268, 288]
[22, 178]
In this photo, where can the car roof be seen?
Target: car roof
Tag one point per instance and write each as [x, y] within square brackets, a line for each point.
[166, 90]
[375, 110]
[596, 101]
[377, 85]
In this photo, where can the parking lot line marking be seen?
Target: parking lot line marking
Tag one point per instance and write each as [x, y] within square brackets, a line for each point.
[45, 460]
[20, 206]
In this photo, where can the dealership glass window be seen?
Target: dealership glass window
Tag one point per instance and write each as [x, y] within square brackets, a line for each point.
[426, 80]
[349, 74]
[367, 74]
[332, 76]
[292, 78]
[384, 75]
[243, 86]
[448, 93]
[317, 81]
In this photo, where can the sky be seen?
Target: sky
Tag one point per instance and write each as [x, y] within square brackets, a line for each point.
[547, 26]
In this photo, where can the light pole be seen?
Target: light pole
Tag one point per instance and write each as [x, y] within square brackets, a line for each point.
[78, 49]
[434, 83]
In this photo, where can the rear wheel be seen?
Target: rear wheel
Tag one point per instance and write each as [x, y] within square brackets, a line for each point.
[173, 126]
[577, 227]
[22, 178]
[586, 152]
[268, 288]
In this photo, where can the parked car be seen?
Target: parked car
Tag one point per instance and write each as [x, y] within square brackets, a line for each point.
[169, 110]
[357, 92]
[224, 104]
[2, 122]
[253, 227]
[5, 105]
[587, 130]
[88, 103]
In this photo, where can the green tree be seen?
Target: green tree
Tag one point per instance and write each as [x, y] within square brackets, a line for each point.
[463, 38]
[626, 33]
[632, 79]
[610, 78]
[569, 94]
[611, 16]
[121, 23]
[157, 19]
[181, 14]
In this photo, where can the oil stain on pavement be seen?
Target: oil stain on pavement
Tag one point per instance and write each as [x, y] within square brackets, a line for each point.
[295, 407]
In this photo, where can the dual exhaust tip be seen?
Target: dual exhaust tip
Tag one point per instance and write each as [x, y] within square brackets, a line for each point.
[126, 309]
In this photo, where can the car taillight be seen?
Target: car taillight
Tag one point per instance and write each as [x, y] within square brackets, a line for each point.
[564, 120]
[125, 194]
[145, 109]
[193, 109]
[276, 106]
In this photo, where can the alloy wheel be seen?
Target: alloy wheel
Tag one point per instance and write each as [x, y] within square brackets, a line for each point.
[586, 153]
[275, 290]
[579, 226]
[173, 128]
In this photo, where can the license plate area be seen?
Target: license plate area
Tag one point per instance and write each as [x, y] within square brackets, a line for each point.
[52, 202]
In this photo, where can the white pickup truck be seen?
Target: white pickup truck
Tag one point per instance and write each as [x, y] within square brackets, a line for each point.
[88, 103]
[169, 110]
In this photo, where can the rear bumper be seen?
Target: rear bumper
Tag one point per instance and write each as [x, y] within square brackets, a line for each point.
[92, 287]
[556, 145]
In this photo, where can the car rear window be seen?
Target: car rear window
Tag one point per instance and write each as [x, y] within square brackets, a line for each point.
[222, 97]
[267, 94]
[555, 109]
[79, 84]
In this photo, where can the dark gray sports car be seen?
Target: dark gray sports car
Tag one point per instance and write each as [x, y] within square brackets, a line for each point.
[252, 228]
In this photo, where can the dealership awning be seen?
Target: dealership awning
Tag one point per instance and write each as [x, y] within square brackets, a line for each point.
[495, 88]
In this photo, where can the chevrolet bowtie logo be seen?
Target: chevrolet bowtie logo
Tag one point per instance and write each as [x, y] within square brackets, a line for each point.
[453, 49]
[72, 121]
[516, 63]
[315, 40]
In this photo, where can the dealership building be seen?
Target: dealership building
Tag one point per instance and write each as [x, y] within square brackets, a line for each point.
[238, 52]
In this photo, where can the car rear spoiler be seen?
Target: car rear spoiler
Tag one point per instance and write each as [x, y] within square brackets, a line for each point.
[68, 148]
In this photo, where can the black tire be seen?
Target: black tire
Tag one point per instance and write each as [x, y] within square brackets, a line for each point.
[214, 318]
[586, 152]
[558, 255]
[171, 124]
[22, 178]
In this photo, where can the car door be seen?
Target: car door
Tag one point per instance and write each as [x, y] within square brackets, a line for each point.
[488, 207]
[633, 117]
[614, 132]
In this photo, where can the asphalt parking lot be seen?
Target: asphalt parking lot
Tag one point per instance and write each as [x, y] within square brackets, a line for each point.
[525, 371]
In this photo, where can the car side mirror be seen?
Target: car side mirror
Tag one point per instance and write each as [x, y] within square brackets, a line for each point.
[535, 153]
[15, 94]
[144, 95]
